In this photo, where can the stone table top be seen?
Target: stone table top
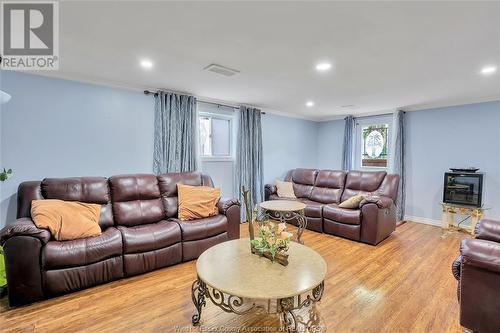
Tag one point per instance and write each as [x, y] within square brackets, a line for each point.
[230, 267]
[282, 205]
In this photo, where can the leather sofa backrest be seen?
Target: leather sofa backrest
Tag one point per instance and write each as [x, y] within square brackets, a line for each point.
[26, 192]
[328, 186]
[362, 182]
[136, 199]
[303, 181]
[168, 187]
[83, 189]
[389, 187]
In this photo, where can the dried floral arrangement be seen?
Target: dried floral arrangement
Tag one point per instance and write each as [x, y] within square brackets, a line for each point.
[272, 239]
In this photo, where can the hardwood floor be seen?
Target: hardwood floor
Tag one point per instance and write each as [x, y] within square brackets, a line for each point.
[402, 285]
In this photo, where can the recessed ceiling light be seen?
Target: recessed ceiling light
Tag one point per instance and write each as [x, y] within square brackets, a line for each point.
[309, 104]
[323, 66]
[146, 63]
[486, 70]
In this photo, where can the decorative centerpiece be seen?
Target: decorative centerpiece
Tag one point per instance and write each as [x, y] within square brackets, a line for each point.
[272, 238]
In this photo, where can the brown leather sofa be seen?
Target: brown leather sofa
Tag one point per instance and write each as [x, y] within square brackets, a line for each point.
[477, 271]
[140, 233]
[323, 190]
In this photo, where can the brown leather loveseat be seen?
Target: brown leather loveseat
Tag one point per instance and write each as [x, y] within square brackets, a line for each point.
[323, 190]
[140, 233]
[477, 271]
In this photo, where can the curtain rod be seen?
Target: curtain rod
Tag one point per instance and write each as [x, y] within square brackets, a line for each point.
[377, 115]
[155, 94]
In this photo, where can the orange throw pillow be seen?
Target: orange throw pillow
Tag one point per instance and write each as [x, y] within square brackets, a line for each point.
[66, 220]
[197, 201]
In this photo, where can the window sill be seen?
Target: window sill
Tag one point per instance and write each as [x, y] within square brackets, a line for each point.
[217, 159]
[373, 168]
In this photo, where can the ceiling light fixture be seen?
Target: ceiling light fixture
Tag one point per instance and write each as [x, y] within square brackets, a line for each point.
[148, 64]
[487, 70]
[309, 104]
[324, 66]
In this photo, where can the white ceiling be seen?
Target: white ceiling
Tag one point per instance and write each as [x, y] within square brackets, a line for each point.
[384, 54]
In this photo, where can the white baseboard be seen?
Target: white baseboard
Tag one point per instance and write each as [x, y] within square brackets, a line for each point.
[423, 220]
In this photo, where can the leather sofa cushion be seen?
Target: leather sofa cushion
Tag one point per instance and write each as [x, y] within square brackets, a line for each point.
[168, 187]
[134, 187]
[303, 181]
[328, 186]
[148, 237]
[80, 252]
[83, 189]
[313, 208]
[359, 182]
[203, 228]
[136, 199]
[343, 215]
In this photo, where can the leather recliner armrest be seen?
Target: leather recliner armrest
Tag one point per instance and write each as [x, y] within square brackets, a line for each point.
[24, 227]
[455, 267]
[230, 207]
[488, 230]
[380, 201]
[481, 253]
[225, 203]
[268, 190]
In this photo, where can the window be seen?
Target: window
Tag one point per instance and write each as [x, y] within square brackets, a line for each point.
[215, 136]
[372, 143]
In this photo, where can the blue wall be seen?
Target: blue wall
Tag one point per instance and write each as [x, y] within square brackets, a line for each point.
[330, 141]
[437, 139]
[60, 128]
[288, 143]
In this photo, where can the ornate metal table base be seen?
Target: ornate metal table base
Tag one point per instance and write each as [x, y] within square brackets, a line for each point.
[287, 216]
[285, 307]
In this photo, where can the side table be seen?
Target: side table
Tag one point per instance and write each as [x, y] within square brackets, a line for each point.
[285, 211]
[448, 216]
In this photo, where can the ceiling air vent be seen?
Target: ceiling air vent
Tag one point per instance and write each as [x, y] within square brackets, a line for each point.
[221, 70]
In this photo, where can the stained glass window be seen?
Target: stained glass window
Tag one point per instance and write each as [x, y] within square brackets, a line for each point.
[374, 146]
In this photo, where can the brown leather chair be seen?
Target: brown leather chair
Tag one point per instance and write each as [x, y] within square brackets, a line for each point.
[477, 271]
[140, 233]
[323, 190]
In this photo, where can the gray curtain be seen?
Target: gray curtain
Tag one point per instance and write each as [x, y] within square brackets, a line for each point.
[175, 133]
[347, 148]
[249, 159]
[398, 160]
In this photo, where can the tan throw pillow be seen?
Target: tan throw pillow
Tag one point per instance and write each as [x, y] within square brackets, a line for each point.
[66, 220]
[285, 189]
[352, 202]
[196, 202]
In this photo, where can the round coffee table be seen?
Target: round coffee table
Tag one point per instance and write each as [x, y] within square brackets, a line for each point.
[284, 211]
[237, 281]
